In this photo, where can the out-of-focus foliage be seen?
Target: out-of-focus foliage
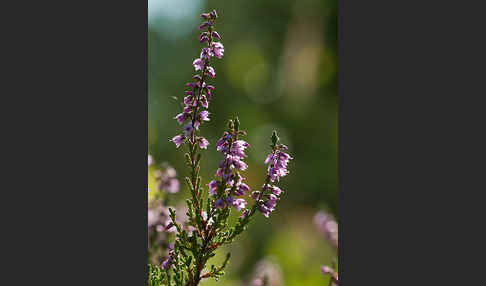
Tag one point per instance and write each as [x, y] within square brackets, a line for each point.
[279, 72]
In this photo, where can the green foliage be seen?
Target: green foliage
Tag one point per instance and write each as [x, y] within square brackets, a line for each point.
[155, 276]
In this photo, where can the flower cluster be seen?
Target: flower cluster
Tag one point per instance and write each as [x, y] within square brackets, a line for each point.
[160, 227]
[268, 200]
[158, 218]
[158, 215]
[327, 226]
[197, 98]
[167, 181]
[231, 182]
[267, 273]
[278, 161]
[277, 168]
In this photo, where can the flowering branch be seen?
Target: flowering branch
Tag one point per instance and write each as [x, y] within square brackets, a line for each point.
[329, 228]
[158, 212]
[187, 259]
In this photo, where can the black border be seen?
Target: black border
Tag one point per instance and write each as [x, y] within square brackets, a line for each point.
[77, 158]
[77, 76]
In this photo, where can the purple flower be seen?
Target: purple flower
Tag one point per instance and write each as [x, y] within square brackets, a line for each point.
[213, 14]
[219, 204]
[198, 64]
[326, 270]
[328, 227]
[284, 157]
[267, 273]
[181, 117]
[277, 167]
[241, 144]
[271, 204]
[171, 172]
[265, 210]
[244, 213]
[168, 261]
[269, 158]
[238, 147]
[205, 15]
[272, 197]
[213, 186]
[204, 101]
[276, 190]
[191, 84]
[187, 109]
[206, 53]
[226, 177]
[216, 35]
[239, 204]
[169, 227]
[211, 72]
[220, 145]
[167, 180]
[203, 38]
[208, 90]
[203, 115]
[178, 140]
[241, 189]
[232, 161]
[219, 172]
[218, 49]
[188, 101]
[275, 173]
[229, 200]
[238, 164]
[239, 179]
[188, 129]
[203, 25]
[203, 143]
[173, 186]
[255, 194]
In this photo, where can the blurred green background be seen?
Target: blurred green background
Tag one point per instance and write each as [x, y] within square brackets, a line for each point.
[278, 72]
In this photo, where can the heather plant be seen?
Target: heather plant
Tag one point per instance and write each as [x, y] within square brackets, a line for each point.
[328, 227]
[158, 211]
[266, 273]
[207, 226]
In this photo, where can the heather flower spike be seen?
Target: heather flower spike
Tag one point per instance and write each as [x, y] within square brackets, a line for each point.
[334, 278]
[207, 226]
[158, 220]
[328, 227]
